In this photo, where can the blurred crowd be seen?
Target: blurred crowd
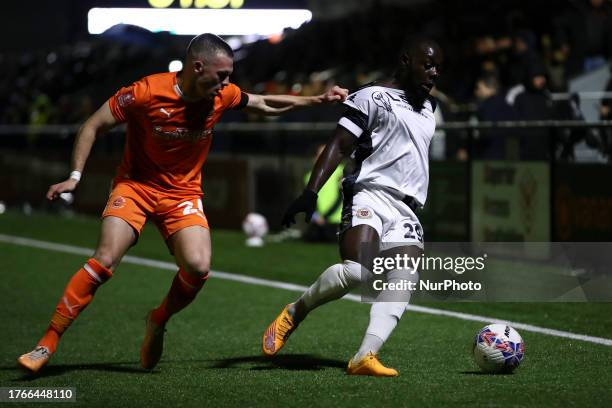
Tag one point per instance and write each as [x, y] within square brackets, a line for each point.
[66, 85]
[539, 47]
[503, 60]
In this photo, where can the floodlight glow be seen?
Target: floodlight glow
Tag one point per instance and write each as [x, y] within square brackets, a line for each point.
[264, 22]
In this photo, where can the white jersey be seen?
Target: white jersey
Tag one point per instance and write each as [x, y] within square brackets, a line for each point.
[393, 142]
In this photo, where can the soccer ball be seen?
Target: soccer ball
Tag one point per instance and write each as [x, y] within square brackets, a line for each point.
[498, 348]
[255, 227]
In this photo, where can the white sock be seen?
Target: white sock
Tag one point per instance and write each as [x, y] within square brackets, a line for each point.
[371, 343]
[383, 319]
[334, 283]
[384, 315]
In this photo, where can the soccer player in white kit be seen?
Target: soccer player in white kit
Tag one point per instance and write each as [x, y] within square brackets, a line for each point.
[386, 132]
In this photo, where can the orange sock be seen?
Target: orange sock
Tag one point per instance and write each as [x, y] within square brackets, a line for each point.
[184, 289]
[78, 294]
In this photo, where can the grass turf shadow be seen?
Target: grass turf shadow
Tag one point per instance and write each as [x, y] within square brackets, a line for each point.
[298, 362]
[53, 370]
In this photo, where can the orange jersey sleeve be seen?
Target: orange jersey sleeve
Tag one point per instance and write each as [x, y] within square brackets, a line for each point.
[231, 96]
[130, 100]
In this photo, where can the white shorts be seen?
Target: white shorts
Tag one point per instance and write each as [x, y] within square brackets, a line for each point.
[395, 222]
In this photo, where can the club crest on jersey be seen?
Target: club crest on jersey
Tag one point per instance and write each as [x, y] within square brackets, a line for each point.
[126, 98]
[364, 213]
[382, 99]
[118, 202]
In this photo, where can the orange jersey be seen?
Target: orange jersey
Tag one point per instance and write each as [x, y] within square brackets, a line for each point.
[168, 138]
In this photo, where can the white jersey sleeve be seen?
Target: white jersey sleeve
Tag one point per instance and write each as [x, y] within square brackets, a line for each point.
[357, 119]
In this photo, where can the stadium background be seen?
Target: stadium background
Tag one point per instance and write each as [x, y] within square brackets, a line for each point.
[524, 181]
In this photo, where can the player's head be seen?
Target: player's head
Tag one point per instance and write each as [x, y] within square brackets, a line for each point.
[208, 64]
[419, 68]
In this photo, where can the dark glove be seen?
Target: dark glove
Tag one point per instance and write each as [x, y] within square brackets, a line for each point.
[306, 203]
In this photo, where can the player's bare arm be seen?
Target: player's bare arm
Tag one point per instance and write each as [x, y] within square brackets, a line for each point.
[277, 104]
[101, 121]
[340, 146]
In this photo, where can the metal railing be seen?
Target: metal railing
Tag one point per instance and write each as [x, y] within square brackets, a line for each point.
[279, 126]
[271, 158]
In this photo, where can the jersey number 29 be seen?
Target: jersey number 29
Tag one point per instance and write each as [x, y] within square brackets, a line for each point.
[413, 231]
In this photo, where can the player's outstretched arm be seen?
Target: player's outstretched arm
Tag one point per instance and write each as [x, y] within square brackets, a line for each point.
[99, 122]
[340, 146]
[277, 104]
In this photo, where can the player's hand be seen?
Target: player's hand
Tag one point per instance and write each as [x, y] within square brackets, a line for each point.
[335, 94]
[67, 186]
[306, 203]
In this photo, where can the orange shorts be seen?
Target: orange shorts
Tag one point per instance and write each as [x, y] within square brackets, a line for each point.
[135, 202]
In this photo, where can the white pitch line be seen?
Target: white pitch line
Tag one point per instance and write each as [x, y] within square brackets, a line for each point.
[135, 260]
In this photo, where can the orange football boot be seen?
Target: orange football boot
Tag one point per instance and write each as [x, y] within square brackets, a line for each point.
[277, 333]
[370, 365]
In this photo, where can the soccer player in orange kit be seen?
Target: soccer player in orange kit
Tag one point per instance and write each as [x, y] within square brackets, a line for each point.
[169, 119]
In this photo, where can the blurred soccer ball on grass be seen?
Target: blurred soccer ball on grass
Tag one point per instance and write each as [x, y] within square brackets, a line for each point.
[255, 227]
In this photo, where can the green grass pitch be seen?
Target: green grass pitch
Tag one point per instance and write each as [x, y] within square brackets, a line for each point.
[212, 350]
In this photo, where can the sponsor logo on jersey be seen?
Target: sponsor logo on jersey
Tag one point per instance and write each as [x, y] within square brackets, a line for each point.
[181, 133]
[364, 213]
